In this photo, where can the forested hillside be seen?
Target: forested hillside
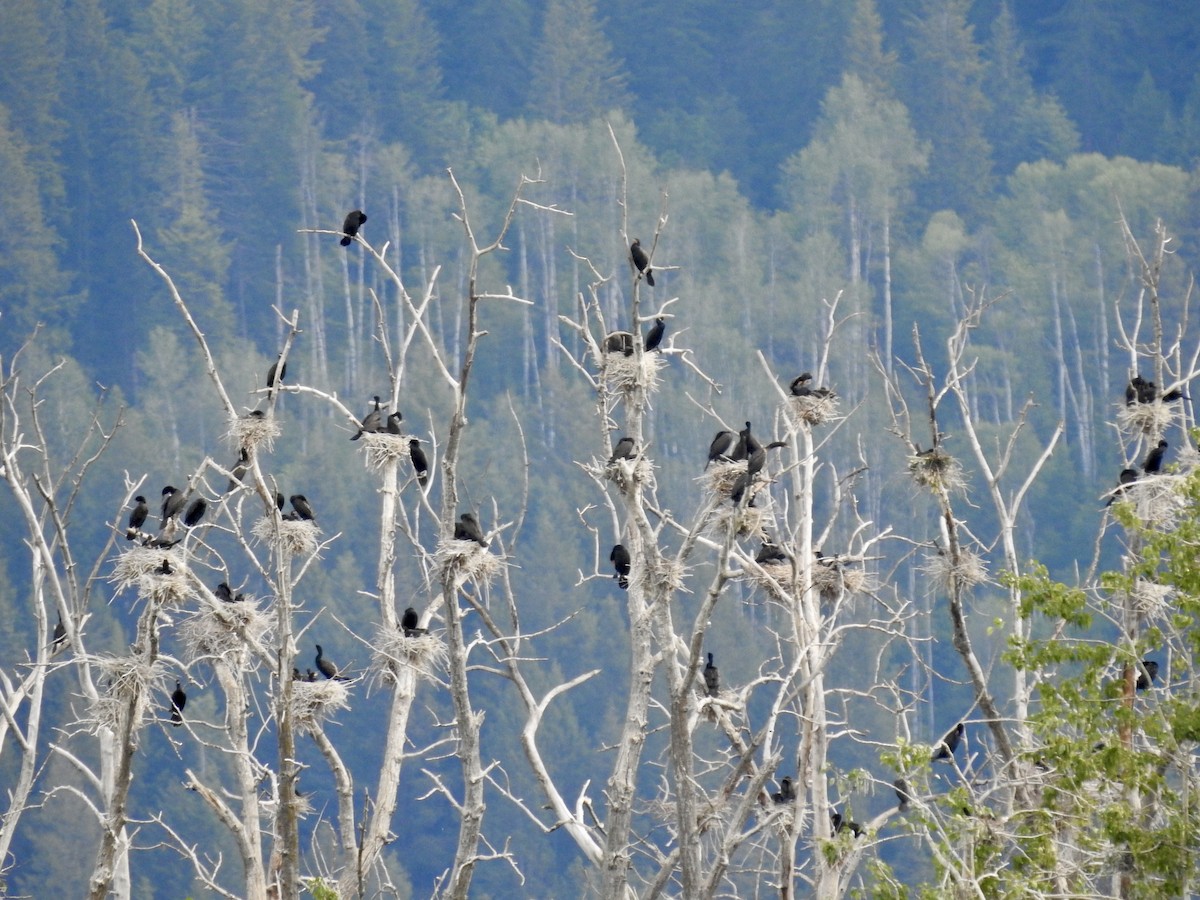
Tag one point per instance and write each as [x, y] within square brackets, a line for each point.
[972, 223]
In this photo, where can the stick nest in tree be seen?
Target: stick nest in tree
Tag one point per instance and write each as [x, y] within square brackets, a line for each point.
[747, 520]
[383, 449]
[970, 571]
[224, 630]
[832, 579]
[425, 654]
[469, 561]
[313, 702]
[137, 563]
[124, 680]
[1151, 599]
[773, 577]
[623, 472]
[665, 578]
[1145, 418]
[621, 373]
[721, 478]
[811, 409]
[296, 537]
[251, 432]
[1156, 500]
[936, 469]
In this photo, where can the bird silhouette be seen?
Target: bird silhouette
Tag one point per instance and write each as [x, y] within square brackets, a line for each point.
[712, 678]
[948, 744]
[393, 424]
[419, 462]
[372, 422]
[1154, 459]
[785, 794]
[840, 824]
[410, 623]
[301, 505]
[172, 503]
[619, 342]
[178, 702]
[354, 220]
[622, 563]
[902, 796]
[642, 261]
[1127, 477]
[720, 446]
[195, 512]
[623, 450]
[137, 517]
[1146, 678]
[326, 667]
[655, 335]
[467, 529]
[276, 374]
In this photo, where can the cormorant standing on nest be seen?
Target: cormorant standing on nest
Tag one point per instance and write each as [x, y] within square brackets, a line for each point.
[303, 510]
[619, 342]
[1154, 459]
[720, 446]
[178, 702]
[165, 568]
[1128, 476]
[172, 503]
[326, 667]
[800, 386]
[1146, 678]
[467, 529]
[948, 744]
[393, 423]
[655, 335]
[195, 512]
[419, 462]
[372, 422]
[839, 824]
[642, 261]
[410, 623]
[137, 517]
[354, 221]
[623, 450]
[622, 563]
[785, 794]
[712, 678]
[769, 553]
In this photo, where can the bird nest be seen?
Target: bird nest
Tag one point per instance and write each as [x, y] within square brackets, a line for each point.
[812, 409]
[722, 478]
[1150, 599]
[424, 654]
[468, 560]
[127, 685]
[1156, 500]
[936, 469]
[623, 373]
[223, 630]
[665, 579]
[970, 571]
[137, 563]
[250, 432]
[1145, 418]
[293, 537]
[746, 520]
[623, 472]
[314, 702]
[773, 577]
[834, 580]
[383, 449]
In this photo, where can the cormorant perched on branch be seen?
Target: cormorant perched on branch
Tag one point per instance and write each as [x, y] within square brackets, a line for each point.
[623, 450]
[410, 623]
[1146, 678]
[226, 595]
[354, 221]
[839, 824]
[467, 529]
[902, 796]
[372, 422]
[785, 794]
[419, 462]
[622, 563]
[172, 503]
[655, 335]
[178, 702]
[303, 510]
[60, 635]
[1175, 394]
[712, 678]
[642, 261]
[195, 512]
[137, 517]
[1154, 459]
[1128, 476]
[276, 373]
[326, 667]
[238, 472]
[720, 446]
[948, 744]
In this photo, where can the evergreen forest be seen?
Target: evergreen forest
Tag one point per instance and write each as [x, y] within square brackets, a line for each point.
[973, 223]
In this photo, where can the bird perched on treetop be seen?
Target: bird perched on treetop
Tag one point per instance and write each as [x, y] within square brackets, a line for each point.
[276, 373]
[903, 798]
[354, 221]
[948, 744]
[1154, 459]
[642, 261]
[178, 702]
[137, 517]
[467, 529]
[655, 335]
[800, 386]
[712, 678]
[419, 462]
[622, 563]
[393, 424]
[372, 422]
[619, 342]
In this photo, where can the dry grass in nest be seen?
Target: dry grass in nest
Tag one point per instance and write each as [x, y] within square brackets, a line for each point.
[832, 580]
[123, 680]
[425, 654]
[773, 577]
[138, 562]
[747, 520]
[224, 631]
[383, 449]
[623, 373]
[970, 571]
[1145, 418]
[1151, 599]
[1156, 500]
[665, 578]
[469, 560]
[721, 478]
[295, 538]
[812, 409]
[623, 472]
[170, 591]
[313, 702]
[936, 469]
[251, 432]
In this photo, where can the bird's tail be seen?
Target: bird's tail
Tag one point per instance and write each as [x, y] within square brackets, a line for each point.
[623, 582]
[347, 241]
[650, 277]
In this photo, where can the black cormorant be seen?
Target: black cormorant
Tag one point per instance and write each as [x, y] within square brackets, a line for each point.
[310, 676]
[195, 512]
[720, 446]
[1146, 678]
[655, 335]
[372, 422]
[60, 635]
[1128, 476]
[800, 386]
[623, 450]
[393, 423]
[178, 702]
[769, 553]
[1175, 394]
[410, 623]
[1154, 459]
[276, 373]
[947, 745]
[619, 342]
[785, 794]
[137, 517]
[467, 529]
[419, 462]
[303, 510]
[712, 678]
[172, 503]
[354, 221]
[621, 561]
[642, 261]
[326, 667]
[238, 472]
[839, 824]
[902, 796]
[165, 568]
